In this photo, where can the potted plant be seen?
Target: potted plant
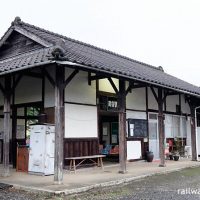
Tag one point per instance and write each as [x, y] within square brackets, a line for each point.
[149, 156]
[176, 155]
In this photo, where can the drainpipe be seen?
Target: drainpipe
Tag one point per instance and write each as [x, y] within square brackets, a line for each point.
[196, 134]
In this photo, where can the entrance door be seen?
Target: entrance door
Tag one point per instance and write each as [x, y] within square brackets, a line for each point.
[114, 133]
[153, 135]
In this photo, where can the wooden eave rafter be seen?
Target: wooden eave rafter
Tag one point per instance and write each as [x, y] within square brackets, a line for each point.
[113, 85]
[95, 77]
[2, 88]
[32, 36]
[71, 76]
[6, 36]
[25, 33]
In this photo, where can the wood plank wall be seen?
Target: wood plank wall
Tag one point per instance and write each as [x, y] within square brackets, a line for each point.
[80, 147]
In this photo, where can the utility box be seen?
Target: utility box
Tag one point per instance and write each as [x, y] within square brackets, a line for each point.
[41, 152]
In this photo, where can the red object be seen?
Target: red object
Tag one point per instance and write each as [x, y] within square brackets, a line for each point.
[170, 143]
[115, 150]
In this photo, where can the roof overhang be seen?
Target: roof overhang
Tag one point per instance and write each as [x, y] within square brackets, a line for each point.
[128, 78]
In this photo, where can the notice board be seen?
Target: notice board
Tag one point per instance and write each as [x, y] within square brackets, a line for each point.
[137, 128]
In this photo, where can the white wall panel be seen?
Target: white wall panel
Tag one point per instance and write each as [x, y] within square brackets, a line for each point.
[136, 99]
[152, 103]
[135, 115]
[188, 141]
[105, 86]
[171, 102]
[134, 150]
[80, 121]
[49, 98]
[184, 105]
[78, 89]
[29, 89]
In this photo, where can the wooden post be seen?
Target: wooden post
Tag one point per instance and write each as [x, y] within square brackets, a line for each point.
[59, 124]
[7, 125]
[193, 133]
[122, 126]
[161, 128]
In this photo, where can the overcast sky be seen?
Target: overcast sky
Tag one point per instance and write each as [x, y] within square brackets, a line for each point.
[158, 32]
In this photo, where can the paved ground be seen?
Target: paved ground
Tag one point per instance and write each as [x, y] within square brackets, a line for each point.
[87, 178]
[173, 185]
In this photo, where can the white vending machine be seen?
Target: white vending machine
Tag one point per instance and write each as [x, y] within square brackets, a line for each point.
[41, 153]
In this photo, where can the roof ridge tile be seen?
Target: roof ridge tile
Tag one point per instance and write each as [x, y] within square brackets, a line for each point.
[90, 45]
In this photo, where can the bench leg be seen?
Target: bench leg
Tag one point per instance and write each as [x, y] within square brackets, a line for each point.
[74, 166]
[70, 165]
[98, 162]
[101, 162]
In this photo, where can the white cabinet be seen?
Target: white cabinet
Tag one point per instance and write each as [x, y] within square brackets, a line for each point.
[41, 154]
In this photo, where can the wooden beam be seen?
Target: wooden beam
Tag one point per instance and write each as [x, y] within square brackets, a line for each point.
[16, 82]
[49, 77]
[97, 77]
[59, 124]
[193, 133]
[161, 128]
[2, 88]
[33, 74]
[89, 78]
[122, 126]
[113, 85]
[131, 84]
[71, 76]
[7, 125]
[140, 85]
[154, 93]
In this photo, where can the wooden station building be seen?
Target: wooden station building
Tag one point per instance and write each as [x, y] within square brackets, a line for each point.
[93, 96]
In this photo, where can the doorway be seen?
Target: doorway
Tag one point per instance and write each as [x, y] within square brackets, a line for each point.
[153, 135]
[23, 116]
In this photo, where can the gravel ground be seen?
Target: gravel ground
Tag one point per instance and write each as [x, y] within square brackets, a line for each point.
[169, 186]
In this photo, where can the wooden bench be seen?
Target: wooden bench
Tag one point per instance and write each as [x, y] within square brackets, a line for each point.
[96, 159]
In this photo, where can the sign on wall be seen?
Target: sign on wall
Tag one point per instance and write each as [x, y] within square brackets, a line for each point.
[137, 128]
[108, 103]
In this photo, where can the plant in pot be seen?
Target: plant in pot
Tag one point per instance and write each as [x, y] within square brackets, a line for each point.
[176, 155]
[149, 156]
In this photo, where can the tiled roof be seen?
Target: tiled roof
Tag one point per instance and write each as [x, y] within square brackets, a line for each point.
[37, 57]
[98, 59]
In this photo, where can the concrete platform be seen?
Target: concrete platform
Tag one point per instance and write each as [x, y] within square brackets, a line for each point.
[88, 178]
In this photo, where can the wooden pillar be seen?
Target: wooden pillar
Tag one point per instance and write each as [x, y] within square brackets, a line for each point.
[161, 128]
[122, 126]
[193, 133]
[59, 124]
[7, 125]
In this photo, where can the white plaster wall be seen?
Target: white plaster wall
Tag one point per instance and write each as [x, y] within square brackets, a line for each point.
[171, 102]
[105, 86]
[135, 115]
[136, 99]
[78, 89]
[188, 140]
[152, 103]
[49, 96]
[80, 121]
[184, 105]
[29, 89]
